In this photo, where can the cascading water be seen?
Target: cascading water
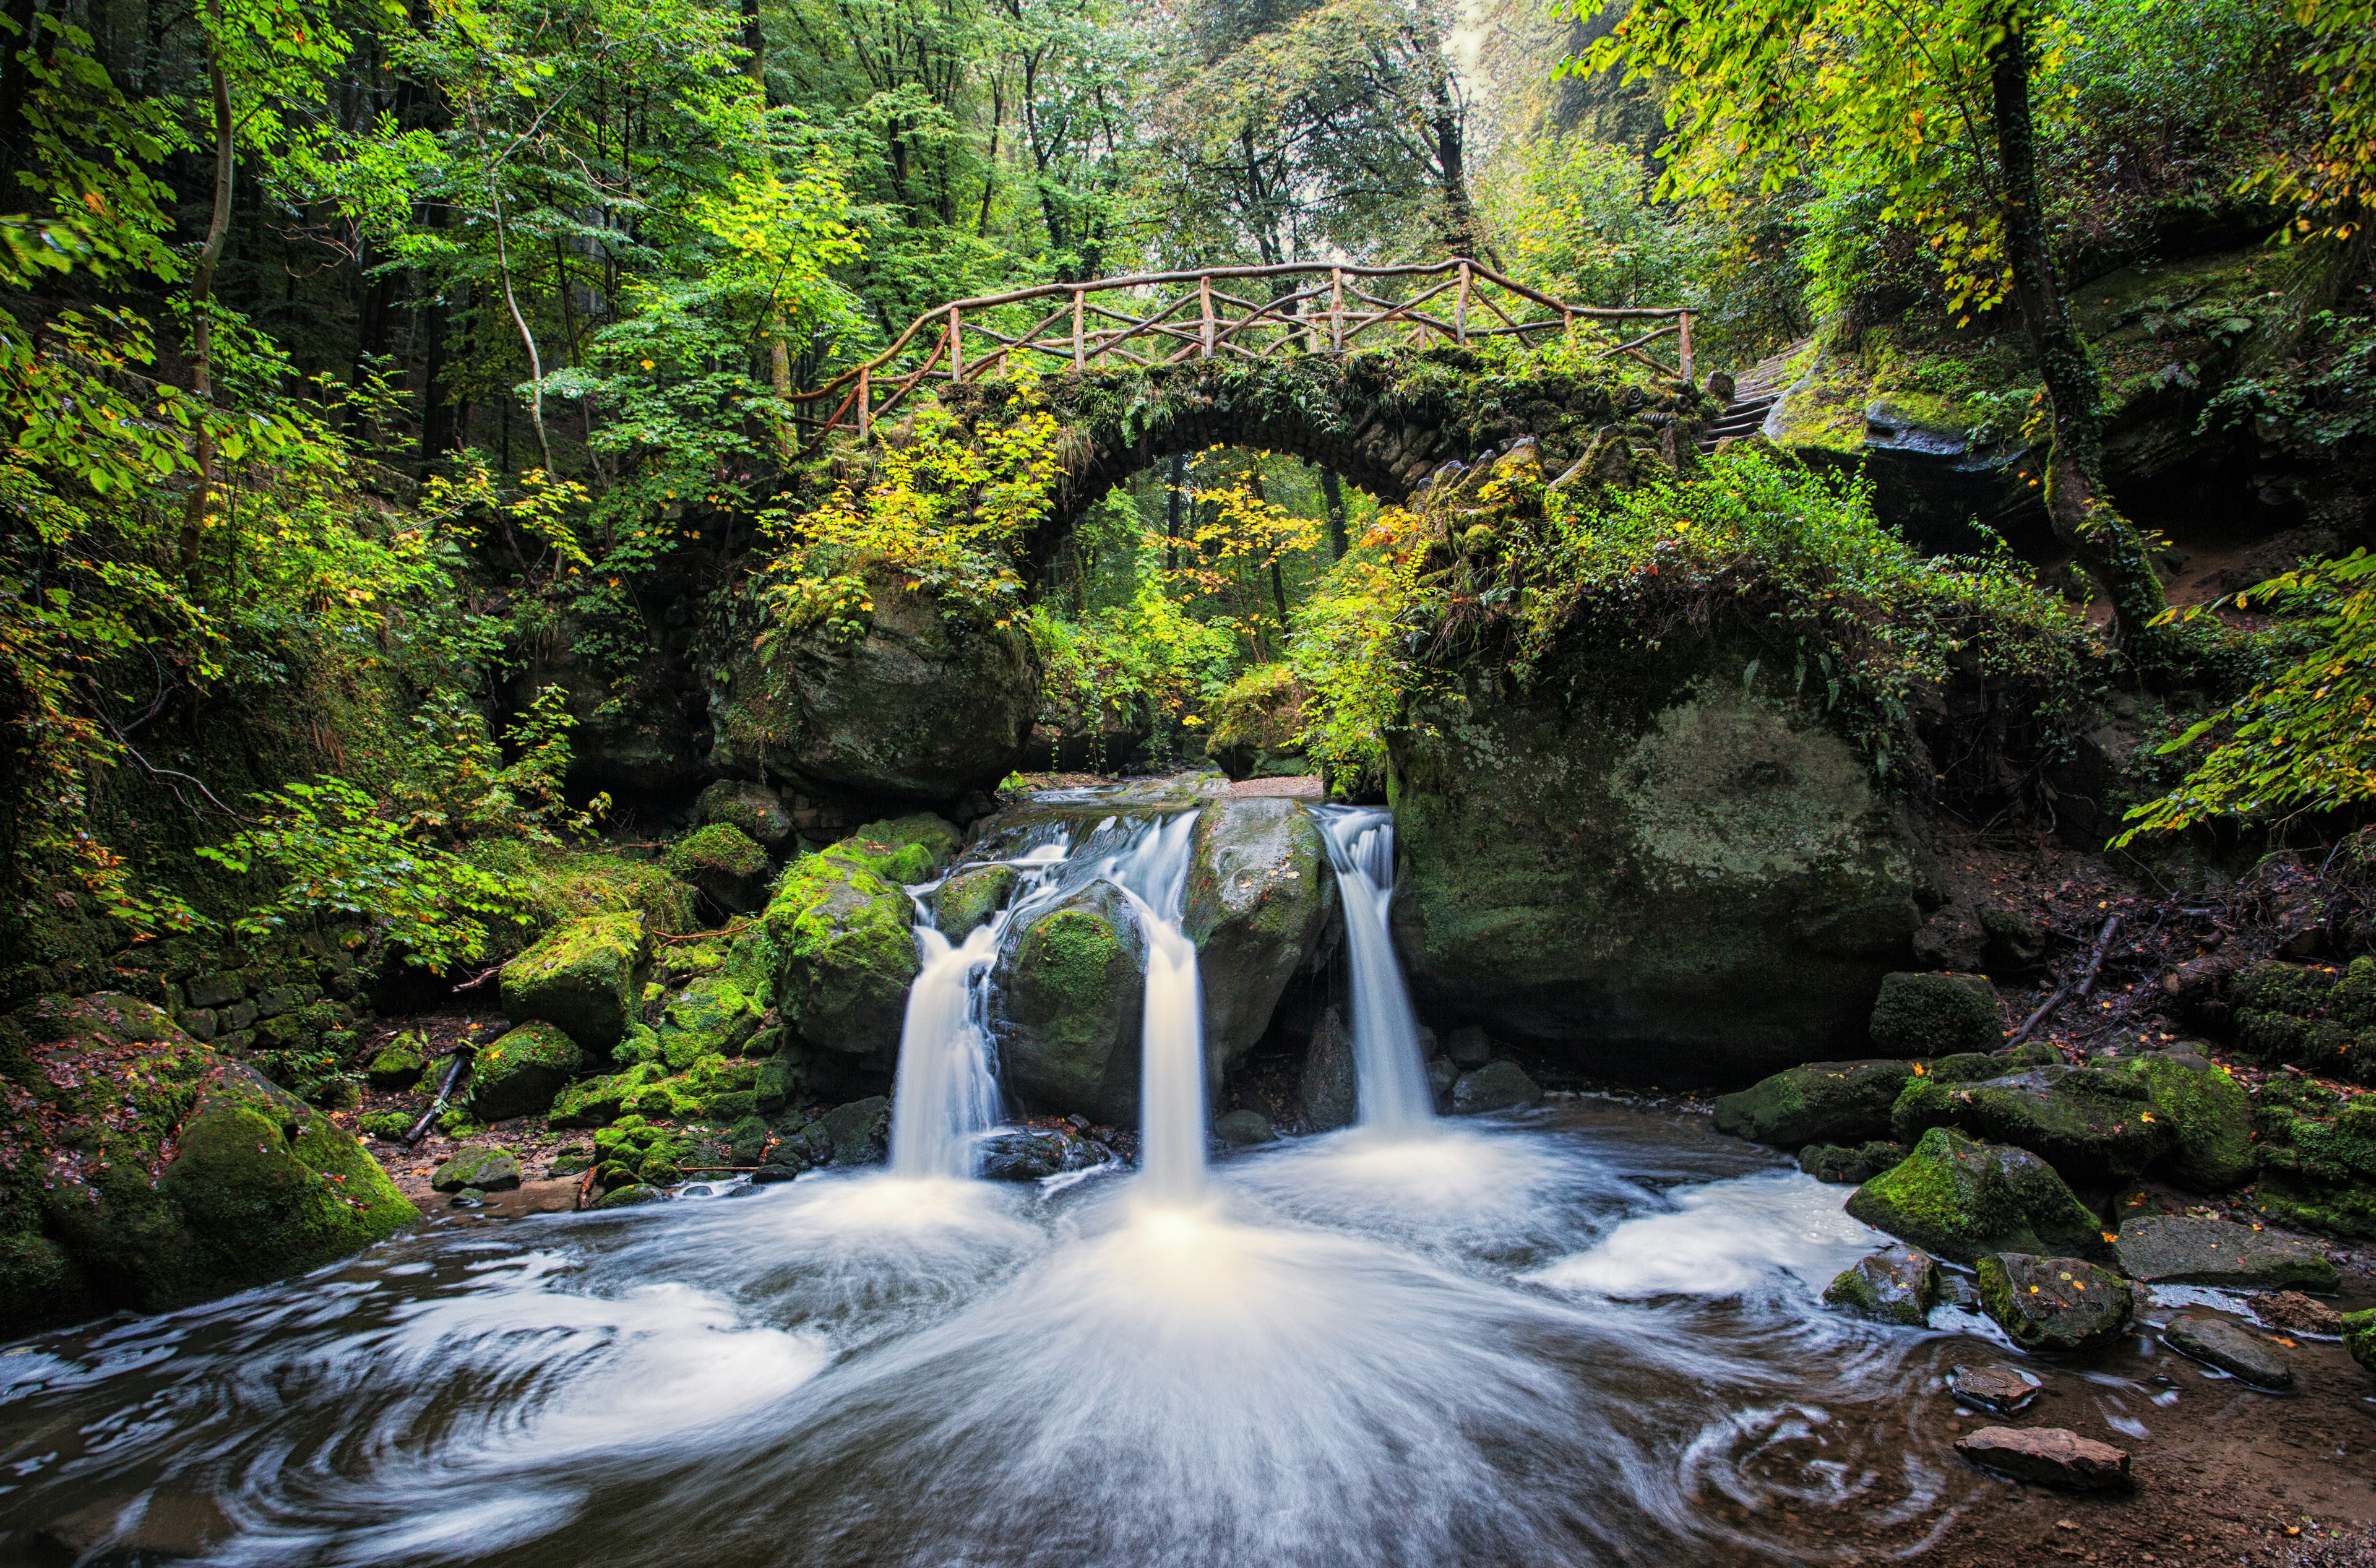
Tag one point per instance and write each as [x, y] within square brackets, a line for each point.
[1153, 873]
[946, 1091]
[1389, 1076]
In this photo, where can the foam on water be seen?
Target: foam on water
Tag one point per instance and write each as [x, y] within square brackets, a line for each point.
[1722, 1240]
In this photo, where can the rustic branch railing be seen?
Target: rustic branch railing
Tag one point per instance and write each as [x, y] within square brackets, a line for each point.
[1155, 318]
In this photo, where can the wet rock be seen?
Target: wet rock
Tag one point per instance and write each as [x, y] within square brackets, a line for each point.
[2219, 1342]
[855, 1133]
[1821, 1102]
[520, 1072]
[1243, 1129]
[1469, 1047]
[752, 808]
[2174, 1250]
[1934, 1014]
[574, 1161]
[725, 864]
[2053, 1455]
[840, 930]
[2359, 1337]
[2209, 1113]
[2003, 1390]
[1441, 1075]
[1961, 1200]
[489, 1169]
[1897, 1285]
[586, 978]
[2053, 1303]
[1497, 1086]
[1261, 899]
[1034, 1154]
[969, 897]
[633, 1195]
[1847, 1167]
[2290, 1311]
[1072, 995]
[2096, 1128]
[1330, 1094]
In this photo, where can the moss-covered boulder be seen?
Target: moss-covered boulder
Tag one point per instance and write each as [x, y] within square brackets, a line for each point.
[1260, 898]
[1935, 1015]
[2209, 1115]
[2309, 1014]
[1846, 1164]
[1896, 1285]
[1819, 1102]
[519, 1074]
[751, 807]
[140, 1169]
[2094, 1127]
[1961, 1200]
[634, 1149]
[2054, 1304]
[858, 1132]
[488, 1170]
[1659, 858]
[725, 864]
[2318, 1157]
[930, 703]
[1072, 994]
[400, 1064]
[586, 978]
[969, 897]
[841, 944]
[712, 1016]
[2359, 1337]
[2169, 1249]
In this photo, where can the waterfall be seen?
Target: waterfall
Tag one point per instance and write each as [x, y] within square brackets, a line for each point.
[1390, 1079]
[1153, 874]
[946, 1095]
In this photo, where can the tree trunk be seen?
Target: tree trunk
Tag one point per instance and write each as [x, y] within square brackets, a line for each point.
[755, 42]
[1332, 490]
[202, 290]
[2078, 505]
[1173, 501]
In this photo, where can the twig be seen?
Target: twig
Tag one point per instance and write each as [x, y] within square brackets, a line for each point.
[475, 984]
[2086, 983]
[729, 929]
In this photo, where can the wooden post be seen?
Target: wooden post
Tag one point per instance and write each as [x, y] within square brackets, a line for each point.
[1567, 323]
[1077, 360]
[865, 402]
[1205, 293]
[1684, 326]
[956, 344]
[1460, 310]
[1336, 309]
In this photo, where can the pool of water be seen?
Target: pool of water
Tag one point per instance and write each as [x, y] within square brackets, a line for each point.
[1587, 1335]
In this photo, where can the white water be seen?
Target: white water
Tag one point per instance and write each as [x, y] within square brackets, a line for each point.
[946, 1095]
[1153, 873]
[1390, 1079]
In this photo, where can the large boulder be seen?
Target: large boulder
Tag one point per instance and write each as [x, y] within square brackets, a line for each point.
[1819, 1102]
[2050, 1303]
[1896, 1285]
[2359, 1337]
[840, 937]
[2179, 1250]
[1260, 899]
[1661, 859]
[1935, 1015]
[520, 1072]
[925, 703]
[147, 1171]
[1960, 1200]
[725, 864]
[1330, 1095]
[2318, 1157]
[969, 897]
[750, 807]
[2209, 1115]
[1072, 993]
[2096, 1128]
[586, 978]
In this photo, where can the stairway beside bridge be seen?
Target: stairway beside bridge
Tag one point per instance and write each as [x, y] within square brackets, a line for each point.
[1754, 393]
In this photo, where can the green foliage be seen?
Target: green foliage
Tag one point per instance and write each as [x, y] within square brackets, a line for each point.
[1143, 664]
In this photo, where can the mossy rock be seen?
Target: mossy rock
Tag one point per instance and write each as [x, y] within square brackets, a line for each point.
[754, 809]
[1961, 1200]
[1845, 1166]
[520, 1072]
[2309, 1015]
[1072, 991]
[633, 1195]
[400, 1064]
[2318, 1159]
[840, 940]
[2097, 1128]
[2211, 1115]
[969, 897]
[636, 1150]
[1896, 1285]
[586, 978]
[712, 1016]
[1821, 1102]
[725, 864]
[2054, 1304]
[388, 1126]
[488, 1170]
[856, 1134]
[2359, 1337]
[148, 1171]
[1261, 897]
[1935, 1015]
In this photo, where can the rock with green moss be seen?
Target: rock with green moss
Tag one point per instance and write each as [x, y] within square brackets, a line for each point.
[400, 1064]
[636, 1150]
[752, 808]
[2318, 1157]
[1072, 991]
[841, 936]
[1657, 852]
[2209, 1115]
[2359, 1337]
[1896, 1285]
[1261, 899]
[488, 1170]
[520, 1072]
[969, 897]
[713, 1016]
[856, 1134]
[1849, 1166]
[1935, 1015]
[2054, 1304]
[2096, 1127]
[633, 1195]
[1961, 1200]
[586, 978]
[1819, 1102]
[2311, 1016]
[725, 864]
[147, 1171]
[385, 1125]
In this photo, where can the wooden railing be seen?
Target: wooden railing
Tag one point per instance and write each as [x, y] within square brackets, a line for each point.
[1153, 318]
